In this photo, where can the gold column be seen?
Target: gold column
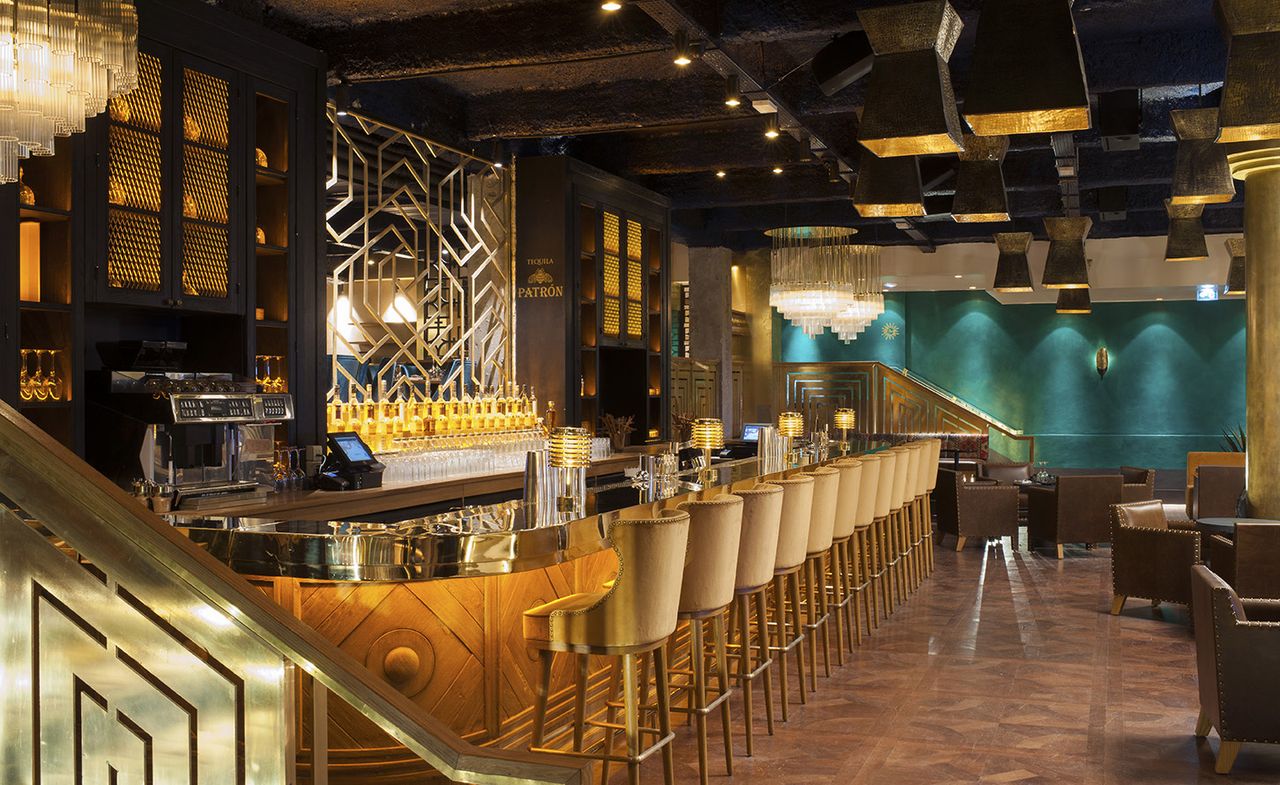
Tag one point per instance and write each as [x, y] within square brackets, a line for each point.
[1258, 164]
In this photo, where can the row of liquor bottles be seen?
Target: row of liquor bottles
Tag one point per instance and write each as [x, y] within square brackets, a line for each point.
[381, 424]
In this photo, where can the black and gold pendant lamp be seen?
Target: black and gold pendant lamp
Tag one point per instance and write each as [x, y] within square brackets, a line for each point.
[1235, 273]
[1248, 110]
[910, 105]
[1067, 267]
[1027, 74]
[1076, 301]
[1201, 175]
[1186, 233]
[980, 196]
[888, 187]
[1013, 272]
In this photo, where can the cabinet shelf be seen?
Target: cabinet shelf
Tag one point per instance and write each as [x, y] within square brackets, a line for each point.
[205, 146]
[44, 404]
[27, 305]
[142, 129]
[32, 212]
[267, 176]
[271, 250]
[272, 323]
[128, 208]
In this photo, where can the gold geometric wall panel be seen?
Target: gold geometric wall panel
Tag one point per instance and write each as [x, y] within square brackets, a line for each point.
[695, 388]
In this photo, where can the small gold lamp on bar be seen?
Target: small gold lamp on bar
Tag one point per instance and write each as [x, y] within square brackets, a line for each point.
[1074, 301]
[1249, 111]
[569, 451]
[1201, 174]
[1013, 272]
[1027, 74]
[1186, 233]
[888, 187]
[846, 420]
[790, 427]
[1066, 267]
[980, 196]
[707, 434]
[1235, 273]
[910, 105]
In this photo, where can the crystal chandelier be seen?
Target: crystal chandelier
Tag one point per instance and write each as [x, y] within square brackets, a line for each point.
[822, 281]
[60, 62]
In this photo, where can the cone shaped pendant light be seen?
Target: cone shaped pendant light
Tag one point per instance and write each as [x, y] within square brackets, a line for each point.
[980, 196]
[1186, 233]
[1074, 301]
[1201, 175]
[1027, 74]
[910, 105]
[888, 187]
[1066, 267]
[1235, 273]
[1249, 111]
[1013, 273]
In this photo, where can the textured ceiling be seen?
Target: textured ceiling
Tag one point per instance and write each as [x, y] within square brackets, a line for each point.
[531, 76]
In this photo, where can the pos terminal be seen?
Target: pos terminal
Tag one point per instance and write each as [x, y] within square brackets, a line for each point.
[350, 465]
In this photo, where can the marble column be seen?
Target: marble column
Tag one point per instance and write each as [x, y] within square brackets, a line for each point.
[711, 321]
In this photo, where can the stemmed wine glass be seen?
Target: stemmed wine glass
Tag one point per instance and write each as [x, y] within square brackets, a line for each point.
[39, 387]
[24, 379]
[54, 381]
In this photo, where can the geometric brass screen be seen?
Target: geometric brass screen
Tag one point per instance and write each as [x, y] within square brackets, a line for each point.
[420, 261]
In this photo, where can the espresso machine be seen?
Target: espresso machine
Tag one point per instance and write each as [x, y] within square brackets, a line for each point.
[181, 439]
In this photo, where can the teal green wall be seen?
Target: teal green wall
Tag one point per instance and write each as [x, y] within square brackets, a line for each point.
[1175, 382]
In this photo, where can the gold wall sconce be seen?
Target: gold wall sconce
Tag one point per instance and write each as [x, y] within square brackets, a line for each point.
[1102, 361]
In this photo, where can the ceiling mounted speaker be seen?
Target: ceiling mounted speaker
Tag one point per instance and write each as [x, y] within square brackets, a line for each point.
[1027, 75]
[1113, 203]
[1066, 267]
[1249, 110]
[888, 187]
[980, 196]
[1074, 301]
[1120, 120]
[1201, 175]
[910, 107]
[1013, 273]
[842, 62]
[1235, 273]
[1186, 233]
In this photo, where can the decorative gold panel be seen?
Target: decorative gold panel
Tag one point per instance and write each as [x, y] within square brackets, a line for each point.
[204, 184]
[133, 251]
[204, 260]
[695, 388]
[635, 280]
[204, 108]
[133, 163]
[142, 107]
[421, 233]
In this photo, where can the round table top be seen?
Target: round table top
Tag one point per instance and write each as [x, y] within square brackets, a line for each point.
[1227, 525]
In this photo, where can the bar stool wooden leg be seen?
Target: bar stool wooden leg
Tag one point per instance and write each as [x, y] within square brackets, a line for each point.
[780, 629]
[583, 663]
[839, 573]
[762, 642]
[611, 716]
[811, 625]
[547, 659]
[662, 675]
[928, 529]
[722, 679]
[742, 617]
[824, 610]
[631, 716]
[797, 624]
[698, 699]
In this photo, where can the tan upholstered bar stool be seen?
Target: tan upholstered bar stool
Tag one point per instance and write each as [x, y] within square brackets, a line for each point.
[897, 515]
[931, 482]
[920, 510]
[842, 577]
[706, 592]
[911, 517]
[822, 521]
[793, 537]
[884, 575]
[636, 615]
[757, 549]
[865, 587]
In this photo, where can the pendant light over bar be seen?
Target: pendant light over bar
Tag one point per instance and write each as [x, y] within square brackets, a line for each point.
[1027, 74]
[1013, 272]
[1186, 233]
[1201, 175]
[1075, 301]
[980, 196]
[888, 187]
[1235, 273]
[1066, 267]
[819, 280]
[1249, 111]
[910, 105]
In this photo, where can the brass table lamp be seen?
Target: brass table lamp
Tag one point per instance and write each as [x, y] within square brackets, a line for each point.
[569, 450]
[708, 435]
[790, 427]
[845, 420]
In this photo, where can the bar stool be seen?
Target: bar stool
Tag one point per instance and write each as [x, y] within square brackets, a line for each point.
[822, 521]
[864, 586]
[843, 572]
[920, 525]
[793, 537]
[757, 549]
[897, 551]
[636, 615]
[907, 546]
[931, 482]
[706, 592]
[883, 574]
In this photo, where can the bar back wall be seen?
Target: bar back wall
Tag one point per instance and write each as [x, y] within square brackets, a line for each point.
[1175, 380]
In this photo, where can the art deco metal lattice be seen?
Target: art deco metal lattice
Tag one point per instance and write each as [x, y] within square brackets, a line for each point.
[420, 262]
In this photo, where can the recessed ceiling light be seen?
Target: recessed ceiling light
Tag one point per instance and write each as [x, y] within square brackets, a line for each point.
[1159, 299]
[777, 170]
[973, 287]
[721, 173]
[611, 6]
[771, 129]
[732, 92]
[890, 285]
[683, 52]
[958, 275]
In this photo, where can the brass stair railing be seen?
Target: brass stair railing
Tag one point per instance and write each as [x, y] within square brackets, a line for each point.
[129, 654]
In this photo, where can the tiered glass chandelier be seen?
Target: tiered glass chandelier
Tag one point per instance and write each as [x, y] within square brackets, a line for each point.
[60, 62]
[822, 281]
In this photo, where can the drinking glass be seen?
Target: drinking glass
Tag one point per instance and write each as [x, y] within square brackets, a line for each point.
[24, 378]
[55, 382]
[38, 385]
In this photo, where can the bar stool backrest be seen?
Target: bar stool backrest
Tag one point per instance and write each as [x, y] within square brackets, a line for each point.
[884, 486]
[901, 477]
[822, 524]
[758, 546]
[847, 503]
[797, 510]
[868, 487]
[640, 609]
[921, 450]
[931, 472]
[711, 561]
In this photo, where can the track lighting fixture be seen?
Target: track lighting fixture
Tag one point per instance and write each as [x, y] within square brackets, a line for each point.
[342, 97]
[721, 174]
[732, 92]
[777, 170]
[771, 130]
[683, 49]
[609, 6]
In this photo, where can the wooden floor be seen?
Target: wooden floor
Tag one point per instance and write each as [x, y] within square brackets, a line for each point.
[1004, 668]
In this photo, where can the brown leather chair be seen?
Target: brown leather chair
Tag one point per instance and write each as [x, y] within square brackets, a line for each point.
[1215, 492]
[983, 509]
[1077, 509]
[1197, 459]
[1139, 484]
[1251, 564]
[1148, 559]
[1005, 472]
[1237, 657]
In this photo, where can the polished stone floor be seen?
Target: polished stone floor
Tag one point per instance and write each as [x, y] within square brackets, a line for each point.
[1005, 667]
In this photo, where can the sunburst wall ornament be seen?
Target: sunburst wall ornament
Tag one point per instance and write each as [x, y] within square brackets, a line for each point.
[890, 331]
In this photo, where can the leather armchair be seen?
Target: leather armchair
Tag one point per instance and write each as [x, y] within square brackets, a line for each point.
[1077, 509]
[1139, 484]
[1148, 559]
[976, 509]
[1237, 656]
[1251, 564]
[1005, 472]
[1197, 459]
[1215, 492]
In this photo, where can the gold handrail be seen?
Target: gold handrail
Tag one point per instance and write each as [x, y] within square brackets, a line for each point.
[139, 558]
